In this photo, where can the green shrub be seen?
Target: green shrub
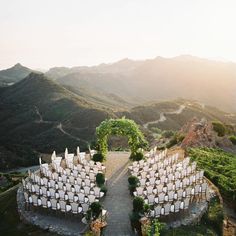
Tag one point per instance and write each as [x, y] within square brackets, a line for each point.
[146, 208]
[104, 189]
[138, 204]
[98, 157]
[233, 139]
[133, 180]
[134, 221]
[96, 209]
[100, 179]
[177, 138]
[136, 156]
[133, 183]
[168, 133]
[219, 128]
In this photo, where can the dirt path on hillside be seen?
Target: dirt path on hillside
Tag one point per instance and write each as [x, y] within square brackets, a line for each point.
[163, 118]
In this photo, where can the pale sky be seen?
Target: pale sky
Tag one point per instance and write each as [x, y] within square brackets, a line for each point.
[47, 33]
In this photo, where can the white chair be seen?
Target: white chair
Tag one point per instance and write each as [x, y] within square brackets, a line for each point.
[72, 179]
[77, 188]
[85, 207]
[44, 191]
[91, 198]
[61, 194]
[86, 190]
[53, 203]
[139, 191]
[167, 208]
[37, 189]
[74, 208]
[151, 199]
[177, 205]
[64, 178]
[157, 210]
[152, 181]
[52, 192]
[170, 186]
[44, 202]
[161, 197]
[70, 196]
[62, 206]
[186, 203]
[180, 193]
[26, 195]
[142, 182]
[81, 197]
[171, 195]
[87, 182]
[97, 192]
[68, 187]
[35, 200]
[149, 190]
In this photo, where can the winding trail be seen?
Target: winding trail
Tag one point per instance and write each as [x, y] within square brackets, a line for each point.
[118, 201]
[58, 125]
[70, 135]
[163, 117]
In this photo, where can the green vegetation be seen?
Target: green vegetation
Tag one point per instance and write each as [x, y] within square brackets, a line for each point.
[154, 229]
[219, 167]
[100, 179]
[168, 133]
[122, 127]
[98, 157]
[135, 216]
[96, 209]
[104, 189]
[233, 139]
[219, 128]
[9, 180]
[133, 183]
[136, 156]
[138, 204]
[177, 138]
[10, 223]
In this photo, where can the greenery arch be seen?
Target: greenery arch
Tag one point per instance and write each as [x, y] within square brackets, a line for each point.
[123, 127]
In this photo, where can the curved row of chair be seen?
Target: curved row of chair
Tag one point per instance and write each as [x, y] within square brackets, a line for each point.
[166, 182]
[68, 185]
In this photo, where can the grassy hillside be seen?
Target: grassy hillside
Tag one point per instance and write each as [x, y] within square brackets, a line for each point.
[37, 115]
[149, 113]
[10, 223]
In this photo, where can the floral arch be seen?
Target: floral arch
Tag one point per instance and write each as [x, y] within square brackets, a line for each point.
[122, 127]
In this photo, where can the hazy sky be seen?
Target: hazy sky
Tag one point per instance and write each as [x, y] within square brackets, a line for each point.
[46, 33]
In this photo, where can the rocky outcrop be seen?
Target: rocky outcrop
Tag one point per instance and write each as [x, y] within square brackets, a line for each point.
[200, 133]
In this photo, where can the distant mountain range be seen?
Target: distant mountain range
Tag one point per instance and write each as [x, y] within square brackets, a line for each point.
[40, 113]
[130, 82]
[13, 74]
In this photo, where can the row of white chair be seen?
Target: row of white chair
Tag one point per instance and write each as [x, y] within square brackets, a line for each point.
[55, 204]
